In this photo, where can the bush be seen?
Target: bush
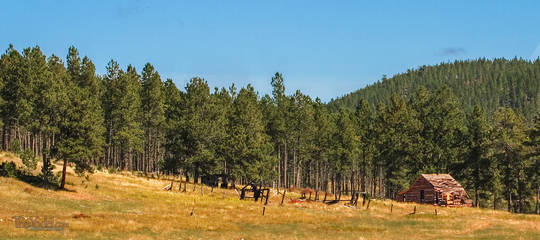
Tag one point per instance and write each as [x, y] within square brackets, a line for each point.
[29, 159]
[112, 170]
[8, 169]
[49, 179]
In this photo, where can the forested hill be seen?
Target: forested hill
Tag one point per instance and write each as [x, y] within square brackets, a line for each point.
[490, 83]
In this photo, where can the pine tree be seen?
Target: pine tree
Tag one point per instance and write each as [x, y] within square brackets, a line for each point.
[81, 126]
[51, 100]
[153, 117]
[324, 131]
[302, 133]
[510, 136]
[222, 103]
[479, 165]
[398, 132]
[173, 133]
[344, 148]
[534, 157]
[110, 98]
[279, 126]
[16, 93]
[130, 133]
[252, 159]
[201, 129]
[364, 121]
[448, 130]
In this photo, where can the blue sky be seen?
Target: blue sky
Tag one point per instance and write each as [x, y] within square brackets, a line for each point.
[323, 48]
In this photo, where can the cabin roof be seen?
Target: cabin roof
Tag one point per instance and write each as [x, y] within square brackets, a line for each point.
[443, 183]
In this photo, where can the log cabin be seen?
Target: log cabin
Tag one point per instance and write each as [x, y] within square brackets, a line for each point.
[436, 189]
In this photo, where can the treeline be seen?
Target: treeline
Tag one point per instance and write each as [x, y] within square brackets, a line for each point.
[487, 83]
[137, 122]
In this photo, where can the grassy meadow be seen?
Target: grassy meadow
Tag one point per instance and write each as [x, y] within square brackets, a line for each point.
[125, 206]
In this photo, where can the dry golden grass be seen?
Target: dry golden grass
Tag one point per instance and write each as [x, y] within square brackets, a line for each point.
[124, 206]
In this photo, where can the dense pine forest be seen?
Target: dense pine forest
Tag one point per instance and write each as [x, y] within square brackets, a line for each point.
[477, 120]
[487, 83]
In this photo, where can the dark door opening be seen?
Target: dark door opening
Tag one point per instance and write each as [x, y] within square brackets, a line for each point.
[422, 195]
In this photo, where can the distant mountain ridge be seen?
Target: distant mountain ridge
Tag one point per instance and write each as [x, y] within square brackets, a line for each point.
[490, 83]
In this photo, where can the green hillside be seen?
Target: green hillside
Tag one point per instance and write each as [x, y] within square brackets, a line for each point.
[490, 83]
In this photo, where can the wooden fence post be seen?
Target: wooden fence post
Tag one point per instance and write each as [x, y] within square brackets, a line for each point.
[369, 201]
[264, 209]
[414, 211]
[324, 200]
[391, 206]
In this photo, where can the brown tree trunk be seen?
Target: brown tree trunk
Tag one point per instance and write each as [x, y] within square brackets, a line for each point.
[509, 201]
[63, 182]
[476, 196]
[294, 168]
[494, 201]
[279, 165]
[317, 175]
[537, 210]
[45, 158]
[285, 179]
[363, 182]
[4, 145]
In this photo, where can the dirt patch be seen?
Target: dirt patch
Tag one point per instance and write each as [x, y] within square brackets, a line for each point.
[80, 215]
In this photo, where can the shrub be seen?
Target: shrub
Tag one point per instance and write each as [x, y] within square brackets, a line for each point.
[49, 179]
[8, 169]
[29, 159]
